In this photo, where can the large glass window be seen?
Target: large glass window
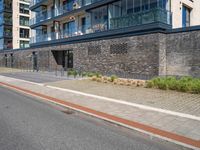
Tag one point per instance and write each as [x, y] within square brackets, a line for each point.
[7, 4]
[145, 5]
[69, 28]
[24, 21]
[100, 19]
[115, 9]
[1, 18]
[1, 31]
[8, 44]
[6, 18]
[5, 31]
[68, 5]
[24, 33]
[1, 5]
[1, 43]
[24, 9]
[153, 4]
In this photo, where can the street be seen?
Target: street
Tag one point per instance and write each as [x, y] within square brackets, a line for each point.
[29, 124]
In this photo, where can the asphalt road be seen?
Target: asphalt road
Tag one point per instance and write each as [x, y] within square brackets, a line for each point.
[27, 123]
[38, 77]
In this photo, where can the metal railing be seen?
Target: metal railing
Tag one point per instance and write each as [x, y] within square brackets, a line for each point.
[45, 15]
[151, 16]
[34, 2]
[154, 15]
[81, 30]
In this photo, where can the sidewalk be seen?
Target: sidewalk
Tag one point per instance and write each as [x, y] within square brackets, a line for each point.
[182, 128]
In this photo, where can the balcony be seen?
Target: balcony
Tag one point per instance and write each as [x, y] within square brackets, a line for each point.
[6, 21]
[120, 23]
[34, 2]
[155, 15]
[81, 30]
[45, 15]
[5, 8]
[7, 34]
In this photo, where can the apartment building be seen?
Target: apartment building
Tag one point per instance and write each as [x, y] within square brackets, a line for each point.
[14, 24]
[128, 38]
[60, 19]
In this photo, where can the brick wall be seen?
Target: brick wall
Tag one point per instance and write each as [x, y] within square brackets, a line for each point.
[142, 56]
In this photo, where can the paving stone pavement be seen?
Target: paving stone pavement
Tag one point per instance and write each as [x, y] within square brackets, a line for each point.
[182, 126]
[170, 100]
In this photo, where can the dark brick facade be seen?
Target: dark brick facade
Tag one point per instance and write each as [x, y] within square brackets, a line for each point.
[141, 56]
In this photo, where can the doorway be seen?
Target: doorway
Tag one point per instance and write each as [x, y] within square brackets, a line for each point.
[64, 58]
[35, 61]
[68, 59]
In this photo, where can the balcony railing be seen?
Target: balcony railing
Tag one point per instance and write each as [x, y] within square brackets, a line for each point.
[81, 30]
[152, 16]
[6, 21]
[155, 15]
[6, 34]
[34, 2]
[45, 15]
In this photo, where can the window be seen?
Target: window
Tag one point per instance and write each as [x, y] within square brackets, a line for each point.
[24, 9]
[68, 5]
[69, 28]
[1, 5]
[24, 21]
[7, 4]
[24, 33]
[115, 9]
[100, 19]
[186, 16]
[24, 44]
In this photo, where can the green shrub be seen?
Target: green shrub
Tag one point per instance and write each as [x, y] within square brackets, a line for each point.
[75, 73]
[183, 84]
[70, 72]
[162, 85]
[172, 83]
[98, 75]
[90, 74]
[113, 78]
[84, 74]
[149, 84]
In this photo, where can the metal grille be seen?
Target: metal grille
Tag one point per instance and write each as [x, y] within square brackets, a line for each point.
[121, 48]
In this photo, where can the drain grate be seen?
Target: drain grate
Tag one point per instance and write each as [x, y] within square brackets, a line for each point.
[68, 112]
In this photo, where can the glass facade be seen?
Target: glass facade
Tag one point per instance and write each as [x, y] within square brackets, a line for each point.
[5, 24]
[127, 13]
[116, 15]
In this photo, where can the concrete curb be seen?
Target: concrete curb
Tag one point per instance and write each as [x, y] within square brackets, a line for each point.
[175, 138]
